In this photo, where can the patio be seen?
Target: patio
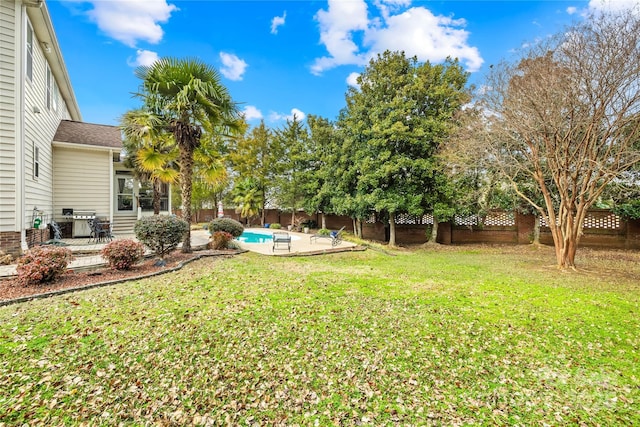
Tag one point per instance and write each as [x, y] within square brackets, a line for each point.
[300, 244]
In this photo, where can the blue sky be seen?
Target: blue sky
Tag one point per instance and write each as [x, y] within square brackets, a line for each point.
[278, 58]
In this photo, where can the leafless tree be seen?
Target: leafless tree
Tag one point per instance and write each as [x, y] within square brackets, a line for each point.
[566, 116]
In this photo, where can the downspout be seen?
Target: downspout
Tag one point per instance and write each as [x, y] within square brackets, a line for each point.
[20, 77]
[111, 187]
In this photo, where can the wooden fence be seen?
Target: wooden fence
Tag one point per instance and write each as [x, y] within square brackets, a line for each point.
[602, 228]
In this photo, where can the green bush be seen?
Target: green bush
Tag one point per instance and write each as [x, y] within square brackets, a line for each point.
[43, 264]
[275, 225]
[161, 233]
[324, 232]
[229, 225]
[629, 210]
[123, 254]
[220, 240]
[310, 223]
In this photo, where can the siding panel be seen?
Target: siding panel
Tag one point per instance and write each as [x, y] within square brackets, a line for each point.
[8, 95]
[82, 181]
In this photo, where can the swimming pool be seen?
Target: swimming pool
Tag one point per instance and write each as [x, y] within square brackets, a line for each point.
[259, 236]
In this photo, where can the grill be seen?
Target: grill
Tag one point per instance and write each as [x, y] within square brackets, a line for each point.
[81, 223]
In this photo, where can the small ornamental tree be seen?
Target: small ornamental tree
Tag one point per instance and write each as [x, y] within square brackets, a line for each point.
[42, 264]
[123, 254]
[160, 233]
[229, 225]
[220, 240]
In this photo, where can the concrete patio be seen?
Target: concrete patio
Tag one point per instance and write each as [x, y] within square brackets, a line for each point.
[87, 253]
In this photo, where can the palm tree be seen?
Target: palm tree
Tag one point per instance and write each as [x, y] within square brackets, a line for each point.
[188, 96]
[247, 195]
[152, 152]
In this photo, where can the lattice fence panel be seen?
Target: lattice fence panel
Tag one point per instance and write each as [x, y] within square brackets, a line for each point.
[467, 221]
[596, 221]
[371, 220]
[500, 219]
[602, 220]
[408, 219]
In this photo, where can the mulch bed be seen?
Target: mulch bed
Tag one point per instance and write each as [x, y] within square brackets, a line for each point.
[12, 290]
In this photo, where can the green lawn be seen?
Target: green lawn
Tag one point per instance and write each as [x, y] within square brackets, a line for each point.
[447, 336]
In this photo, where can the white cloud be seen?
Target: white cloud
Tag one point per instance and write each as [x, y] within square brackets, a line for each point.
[277, 21]
[232, 67]
[614, 5]
[416, 31]
[337, 25]
[352, 79]
[251, 113]
[130, 21]
[144, 57]
[571, 10]
[299, 115]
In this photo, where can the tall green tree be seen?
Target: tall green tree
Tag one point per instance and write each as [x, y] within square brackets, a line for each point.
[394, 123]
[190, 99]
[292, 184]
[258, 155]
[320, 182]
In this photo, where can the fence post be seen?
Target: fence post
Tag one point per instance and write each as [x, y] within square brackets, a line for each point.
[525, 224]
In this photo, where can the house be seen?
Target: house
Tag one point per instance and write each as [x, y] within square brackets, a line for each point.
[53, 166]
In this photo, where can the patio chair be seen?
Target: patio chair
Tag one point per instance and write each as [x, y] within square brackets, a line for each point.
[100, 230]
[281, 239]
[334, 236]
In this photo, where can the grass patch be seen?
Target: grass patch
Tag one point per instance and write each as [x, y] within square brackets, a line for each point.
[433, 336]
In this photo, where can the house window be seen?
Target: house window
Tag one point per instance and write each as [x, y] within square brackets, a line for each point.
[52, 91]
[36, 162]
[146, 197]
[125, 193]
[29, 51]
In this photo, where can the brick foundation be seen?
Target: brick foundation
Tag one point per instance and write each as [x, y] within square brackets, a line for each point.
[10, 243]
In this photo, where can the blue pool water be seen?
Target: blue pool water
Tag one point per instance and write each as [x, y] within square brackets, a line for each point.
[259, 236]
[255, 236]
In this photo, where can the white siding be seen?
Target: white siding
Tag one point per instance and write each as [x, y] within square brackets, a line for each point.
[8, 96]
[82, 181]
[39, 131]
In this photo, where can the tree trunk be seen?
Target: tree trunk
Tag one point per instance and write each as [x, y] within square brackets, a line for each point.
[262, 216]
[157, 192]
[536, 231]
[324, 221]
[434, 231]
[392, 229]
[186, 172]
[566, 235]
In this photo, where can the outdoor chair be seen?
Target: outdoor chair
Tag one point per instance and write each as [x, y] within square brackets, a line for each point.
[334, 236]
[100, 230]
[281, 240]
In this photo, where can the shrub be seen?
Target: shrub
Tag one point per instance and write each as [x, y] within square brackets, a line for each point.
[43, 264]
[275, 225]
[324, 232]
[229, 225]
[122, 254]
[160, 233]
[629, 210]
[310, 223]
[220, 240]
[5, 258]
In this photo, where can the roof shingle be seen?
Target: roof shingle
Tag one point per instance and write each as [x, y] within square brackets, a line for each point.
[88, 134]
